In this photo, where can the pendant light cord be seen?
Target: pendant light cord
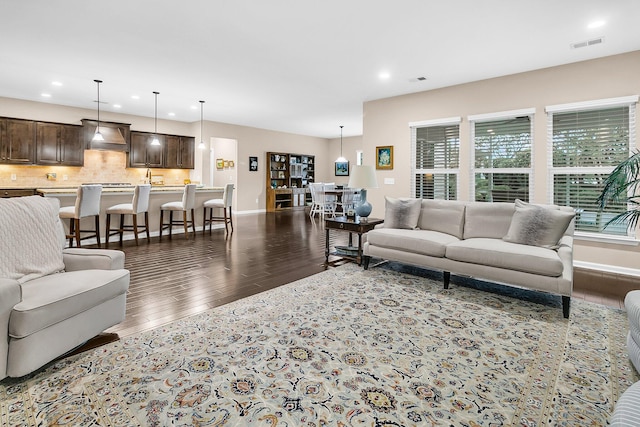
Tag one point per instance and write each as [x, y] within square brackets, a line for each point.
[156, 114]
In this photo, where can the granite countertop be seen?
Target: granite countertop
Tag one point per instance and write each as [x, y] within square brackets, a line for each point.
[124, 189]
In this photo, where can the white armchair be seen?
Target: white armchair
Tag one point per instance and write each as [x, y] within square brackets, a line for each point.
[51, 300]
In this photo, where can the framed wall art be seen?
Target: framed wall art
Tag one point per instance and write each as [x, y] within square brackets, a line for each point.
[384, 157]
[253, 164]
[342, 168]
[219, 163]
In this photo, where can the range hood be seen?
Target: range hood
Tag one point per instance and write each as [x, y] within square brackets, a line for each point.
[116, 135]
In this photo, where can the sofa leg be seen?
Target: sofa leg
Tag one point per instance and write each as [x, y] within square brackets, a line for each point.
[446, 276]
[366, 262]
[566, 305]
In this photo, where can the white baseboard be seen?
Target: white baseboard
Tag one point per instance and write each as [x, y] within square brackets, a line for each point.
[607, 268]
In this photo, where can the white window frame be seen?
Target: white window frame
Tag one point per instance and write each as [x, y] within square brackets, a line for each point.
[489, 117]
[626, 101]
[450, 121]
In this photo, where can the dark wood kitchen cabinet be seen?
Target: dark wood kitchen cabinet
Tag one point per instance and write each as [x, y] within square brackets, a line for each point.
[144, 155]
[17, 141]
[179, 152]
[59, 144]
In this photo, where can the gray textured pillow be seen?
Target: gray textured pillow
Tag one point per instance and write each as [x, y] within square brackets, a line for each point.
[537, 225]
[401, 213]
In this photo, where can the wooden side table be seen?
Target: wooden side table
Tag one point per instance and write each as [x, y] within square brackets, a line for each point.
[358, 225]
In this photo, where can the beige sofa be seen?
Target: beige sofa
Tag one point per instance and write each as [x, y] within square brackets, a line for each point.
[500, 242]
[51, 300]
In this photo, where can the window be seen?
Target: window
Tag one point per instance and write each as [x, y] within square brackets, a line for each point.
[502, 156]
[587, 141]
[436, 159]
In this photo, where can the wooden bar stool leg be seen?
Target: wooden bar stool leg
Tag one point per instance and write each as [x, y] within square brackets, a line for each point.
[72, 232]
[170, 224]
[97, 230]
[108, 230]
[161, 223]
[193, 221]
[76, 223]
[230, 218]
[146, 226]
[185, 224]
[121, 229]
[135, 227]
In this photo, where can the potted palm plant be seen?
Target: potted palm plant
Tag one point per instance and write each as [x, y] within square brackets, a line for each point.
[621, 186]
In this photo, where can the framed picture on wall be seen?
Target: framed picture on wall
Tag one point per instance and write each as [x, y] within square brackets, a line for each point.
[342, 168]
[225, 163]
[253, 164]
[232, 163]
[384, 157]
[219, 163]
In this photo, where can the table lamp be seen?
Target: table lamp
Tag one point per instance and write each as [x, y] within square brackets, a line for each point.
[363, 177]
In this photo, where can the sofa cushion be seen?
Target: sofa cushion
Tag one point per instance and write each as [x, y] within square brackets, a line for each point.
[537, 225]
[51, 299]
[34, 222]
[501, 254]
[445, 216]
[401, 213]
[425, 242]
[483, 219]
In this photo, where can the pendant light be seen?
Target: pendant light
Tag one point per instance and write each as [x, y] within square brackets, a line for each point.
[201, 145]
[341, 158]
[98, 136]
[156, 141]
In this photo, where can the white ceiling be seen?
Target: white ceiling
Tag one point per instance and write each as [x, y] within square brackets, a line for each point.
[299, 66]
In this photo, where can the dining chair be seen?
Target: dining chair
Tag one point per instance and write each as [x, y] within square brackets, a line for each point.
[314, 187]
[224, 204]
[87, 205]
[186, 206]
[139, 204]
[348, 199]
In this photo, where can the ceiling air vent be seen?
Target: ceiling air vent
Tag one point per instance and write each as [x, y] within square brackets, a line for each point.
[418, 79]
[587, 43]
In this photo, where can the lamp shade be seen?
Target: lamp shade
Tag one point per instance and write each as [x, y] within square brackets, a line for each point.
[363, 176]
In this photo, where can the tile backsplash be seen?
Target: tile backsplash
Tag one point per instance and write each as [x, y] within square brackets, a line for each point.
[99, 166]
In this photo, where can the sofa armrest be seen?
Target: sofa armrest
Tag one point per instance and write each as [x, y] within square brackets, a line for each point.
[10, 295]
[86, 259]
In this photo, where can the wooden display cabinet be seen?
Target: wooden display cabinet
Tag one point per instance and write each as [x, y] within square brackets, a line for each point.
[288, 176]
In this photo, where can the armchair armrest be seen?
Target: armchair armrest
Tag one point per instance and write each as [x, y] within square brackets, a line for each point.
[10, 295]
[86, 259]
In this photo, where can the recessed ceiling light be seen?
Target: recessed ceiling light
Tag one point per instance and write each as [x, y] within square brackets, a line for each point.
[45, 95]
[384, 75]
[56, 83]
[117, 106]
[135, 97]
[172, 114]
[596, 24]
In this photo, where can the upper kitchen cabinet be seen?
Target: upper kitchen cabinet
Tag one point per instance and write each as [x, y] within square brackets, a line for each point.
[144, 155]
[59, 144]
[17, 141]
[179, 152]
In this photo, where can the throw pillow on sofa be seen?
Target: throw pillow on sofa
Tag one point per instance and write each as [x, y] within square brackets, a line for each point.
[537, 225]
[401, 213]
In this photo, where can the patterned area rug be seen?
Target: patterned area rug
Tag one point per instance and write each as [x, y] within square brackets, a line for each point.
[345, 347]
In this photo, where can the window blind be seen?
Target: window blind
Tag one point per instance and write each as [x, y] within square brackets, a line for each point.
[503, 143]
[587, 145]
[436, 161]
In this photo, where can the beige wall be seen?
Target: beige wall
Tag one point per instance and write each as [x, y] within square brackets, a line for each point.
[350, 146]
[386, 122]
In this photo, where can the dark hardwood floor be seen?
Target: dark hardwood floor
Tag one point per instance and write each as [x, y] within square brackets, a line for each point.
[176, 278]
[171, 279]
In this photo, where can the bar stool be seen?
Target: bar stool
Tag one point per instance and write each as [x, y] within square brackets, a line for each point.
[87, 204]
[186, 205]
[224, 204]
[139, 204]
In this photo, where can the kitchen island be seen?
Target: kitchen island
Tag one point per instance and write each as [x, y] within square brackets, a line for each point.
[123, 194]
